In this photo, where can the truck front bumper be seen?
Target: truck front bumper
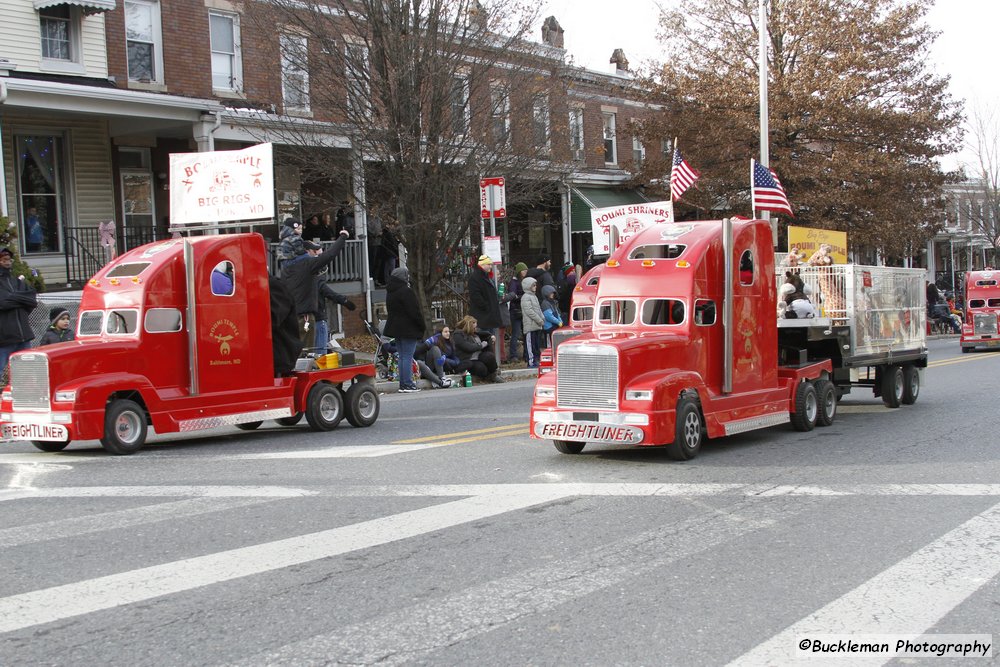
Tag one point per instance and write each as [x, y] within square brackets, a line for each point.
[622, 428]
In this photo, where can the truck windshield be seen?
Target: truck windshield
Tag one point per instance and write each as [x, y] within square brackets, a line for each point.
[122, 322]
[657, 251]
[616, 311]
[660, 312]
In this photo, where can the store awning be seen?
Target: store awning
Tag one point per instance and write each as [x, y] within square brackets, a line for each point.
[582, 199]
[87, 6]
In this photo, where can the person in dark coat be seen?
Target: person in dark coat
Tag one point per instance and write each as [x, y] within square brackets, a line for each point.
[473, 347]
[327, 293]
[484, 302]
[513, 296]
[285, 340]
[541, 272]
[315, 230]
[17, 300]
[405, 323]
[59, 330]
[299, 276]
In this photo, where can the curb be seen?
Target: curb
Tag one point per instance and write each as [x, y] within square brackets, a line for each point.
[511, 374]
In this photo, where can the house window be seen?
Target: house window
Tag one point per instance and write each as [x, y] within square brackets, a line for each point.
[500, 114]
[59, 29]
[610, 150]
[143, 41]
[576, 134]
[356, 71]
[295, 73]
[227, 65]
[460, 105]
[540, 122]
[667, 150]
[638, 151]
[41, 192]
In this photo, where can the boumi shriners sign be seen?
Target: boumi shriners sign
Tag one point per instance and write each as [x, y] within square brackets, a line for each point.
[222, 185]
[627, 220]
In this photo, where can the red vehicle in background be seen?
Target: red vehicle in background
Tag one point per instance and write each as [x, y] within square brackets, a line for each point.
[581, 316]
[177, 336]
[686, 343]
[982, 311]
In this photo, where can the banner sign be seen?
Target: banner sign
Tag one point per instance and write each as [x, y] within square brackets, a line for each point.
[809, 239]
[628, 219]
[222, 186]
[493, 248]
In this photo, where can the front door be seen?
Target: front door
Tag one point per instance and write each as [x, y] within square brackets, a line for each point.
[138, 208]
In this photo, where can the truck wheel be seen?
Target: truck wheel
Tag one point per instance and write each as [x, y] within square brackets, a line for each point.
[826, 395]
[911, 384]
[324, 407]
[806, 407]
[568, 446]
[966, 349]
[290, 421]
[249, 426]
[688, 431]
[892, 386]
[362, 405]
[49, 446]
[124, 427]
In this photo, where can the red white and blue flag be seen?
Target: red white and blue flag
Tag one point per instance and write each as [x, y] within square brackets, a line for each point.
[768, 195]
[682, 176]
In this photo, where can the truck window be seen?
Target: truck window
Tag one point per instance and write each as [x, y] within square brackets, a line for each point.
[704, 312]
[746, 268]
[657, 251]
[223, 279]
[163, 320]
[986, 283]
[977, 303]
[616, 311]
[993, 303]
[127, 270]
[661, 312]
[593, 281]
[122, 322]
[91, 323]
[583, 314]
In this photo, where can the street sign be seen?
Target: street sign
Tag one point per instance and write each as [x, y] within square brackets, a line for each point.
[492, 197]
[493, 248]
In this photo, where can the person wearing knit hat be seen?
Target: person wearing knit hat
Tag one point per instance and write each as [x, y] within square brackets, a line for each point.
[485, 261]
[59, 330]
[290, 243]
[513, 296]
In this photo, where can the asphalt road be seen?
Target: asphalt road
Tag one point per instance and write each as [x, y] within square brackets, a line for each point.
[443, 535]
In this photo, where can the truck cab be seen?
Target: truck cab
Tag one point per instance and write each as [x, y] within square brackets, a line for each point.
[982, 311]
[174, 335]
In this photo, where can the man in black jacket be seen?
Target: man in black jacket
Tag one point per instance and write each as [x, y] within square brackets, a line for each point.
[484, 302]
[17, 300]
[405, 323]
[541, 272]
[299, 277]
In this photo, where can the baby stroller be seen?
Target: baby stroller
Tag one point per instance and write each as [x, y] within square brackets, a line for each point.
[386, 358]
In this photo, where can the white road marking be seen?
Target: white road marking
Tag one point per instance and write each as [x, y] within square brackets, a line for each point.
[25, 473]
[133, 516]
[410, 633]
[907, 598]
[46, 457]
[345, 452]
[60, 602]
[161, 492]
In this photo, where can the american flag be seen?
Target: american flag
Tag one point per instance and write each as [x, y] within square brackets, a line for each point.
[768, 195]
[682, 176]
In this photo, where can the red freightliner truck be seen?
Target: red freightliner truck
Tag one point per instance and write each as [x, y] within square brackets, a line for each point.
[982, 311]
[177, 336]
[686, 343]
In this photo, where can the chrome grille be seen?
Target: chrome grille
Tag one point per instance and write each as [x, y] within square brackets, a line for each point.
[984, 323]
[29, 381]
[587, 377]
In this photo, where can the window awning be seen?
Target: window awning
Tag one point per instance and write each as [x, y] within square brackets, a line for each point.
[582, 199]
[86, 6]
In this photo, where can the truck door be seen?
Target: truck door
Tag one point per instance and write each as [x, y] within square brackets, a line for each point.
[754, 330]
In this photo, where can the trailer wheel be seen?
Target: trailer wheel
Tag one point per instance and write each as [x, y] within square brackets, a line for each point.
[49, 446]
[689, 431]
[826, 395]
[569, 446]
[806, 407]
[892, 386]
[324, 407]
[124, 427]
[249, 426]
[362, 405]
[911, 384]
[289, 421]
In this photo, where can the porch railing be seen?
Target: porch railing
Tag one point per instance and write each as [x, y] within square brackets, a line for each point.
[85, 255]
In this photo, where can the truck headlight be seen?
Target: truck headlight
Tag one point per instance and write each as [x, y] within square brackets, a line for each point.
[639, 395]
[7, 396]
[66, 396]
[545, 392]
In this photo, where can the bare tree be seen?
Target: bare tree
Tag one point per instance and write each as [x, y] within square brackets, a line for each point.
[984, 145]
[856, 117]
[432, 94]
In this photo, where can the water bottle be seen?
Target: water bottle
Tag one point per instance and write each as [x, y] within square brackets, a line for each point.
[500, 290]
[467, 380]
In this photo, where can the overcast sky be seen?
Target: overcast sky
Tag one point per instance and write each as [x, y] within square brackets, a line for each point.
[966, 50]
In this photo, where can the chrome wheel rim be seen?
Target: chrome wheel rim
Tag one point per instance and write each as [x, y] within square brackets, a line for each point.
[830, 404]
[898, 384]
[366, 405]
[329, 407]
[692, 429]
[812, 407]
[127, 427]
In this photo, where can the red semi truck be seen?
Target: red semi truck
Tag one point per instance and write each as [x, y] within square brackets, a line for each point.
[982, 310]
[177, 336]
[686, 343]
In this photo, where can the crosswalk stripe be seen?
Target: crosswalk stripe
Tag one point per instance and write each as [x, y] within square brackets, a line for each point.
[907, 598]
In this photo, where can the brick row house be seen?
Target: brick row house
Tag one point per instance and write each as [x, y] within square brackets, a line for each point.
[96, 94]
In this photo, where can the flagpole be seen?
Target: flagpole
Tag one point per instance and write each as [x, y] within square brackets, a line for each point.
[670, 208]
[762, 83]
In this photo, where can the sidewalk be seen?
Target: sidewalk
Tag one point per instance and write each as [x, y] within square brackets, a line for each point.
[509, 375]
